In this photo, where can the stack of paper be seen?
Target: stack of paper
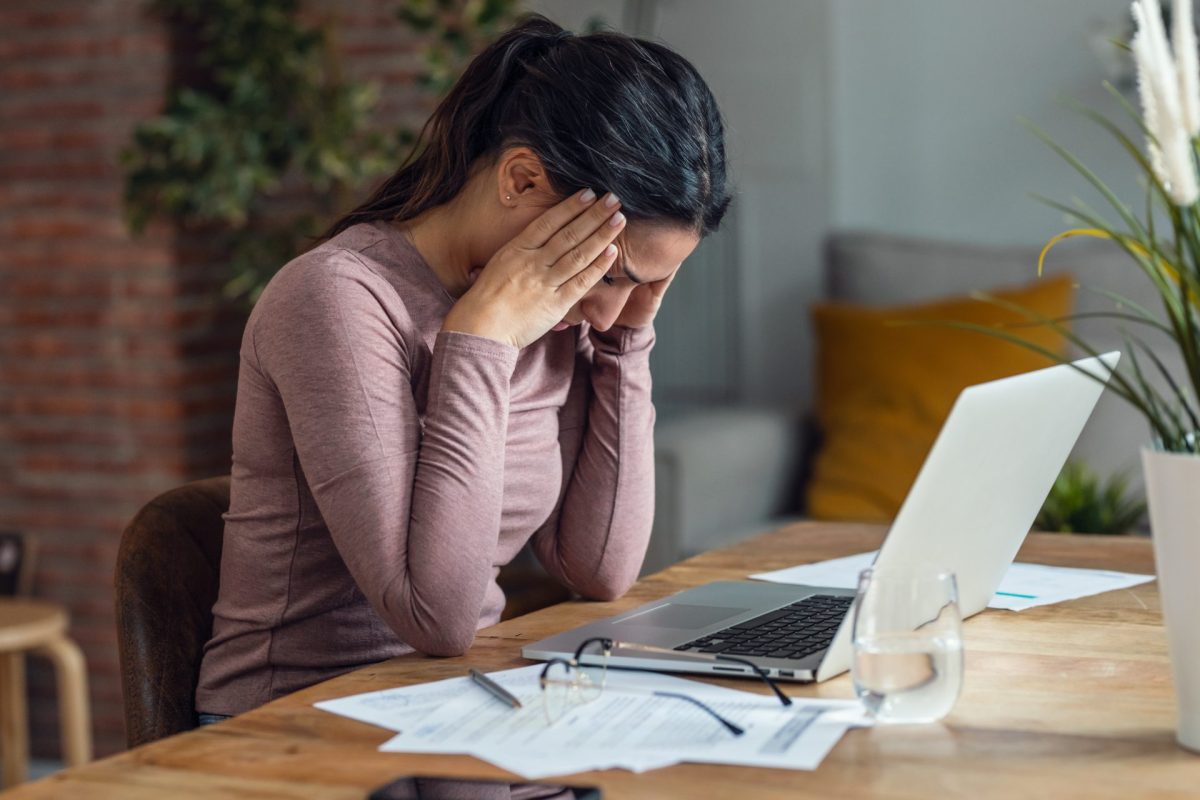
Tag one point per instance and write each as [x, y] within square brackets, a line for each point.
[1024, 585]
[627, 726]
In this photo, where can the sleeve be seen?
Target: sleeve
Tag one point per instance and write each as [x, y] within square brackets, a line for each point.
[414, 514]
[597, 541]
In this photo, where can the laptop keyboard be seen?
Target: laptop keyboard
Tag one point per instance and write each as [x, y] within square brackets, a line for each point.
[794, 631]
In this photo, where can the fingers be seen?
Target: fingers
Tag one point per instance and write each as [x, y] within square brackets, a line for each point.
[601, 216]
[575, 285]
[587, 251]
[538, 232]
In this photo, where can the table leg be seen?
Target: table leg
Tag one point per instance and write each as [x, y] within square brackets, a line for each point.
[74, 710]
[14, 720]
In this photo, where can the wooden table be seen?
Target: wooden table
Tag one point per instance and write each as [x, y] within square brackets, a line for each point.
[1071, 700]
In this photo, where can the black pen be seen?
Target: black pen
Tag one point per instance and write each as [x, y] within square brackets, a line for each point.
[496, 689]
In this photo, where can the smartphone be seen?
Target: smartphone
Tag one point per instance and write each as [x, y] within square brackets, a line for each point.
[423, 787]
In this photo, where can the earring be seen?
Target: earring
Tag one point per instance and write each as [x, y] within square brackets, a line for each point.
[508, 197]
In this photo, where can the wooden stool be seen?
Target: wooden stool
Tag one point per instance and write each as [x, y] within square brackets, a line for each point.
[31, 626]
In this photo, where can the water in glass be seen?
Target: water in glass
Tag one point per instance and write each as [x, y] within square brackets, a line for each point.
[908, 653]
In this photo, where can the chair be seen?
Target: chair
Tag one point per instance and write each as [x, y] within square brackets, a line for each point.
[168, 568]
[40, 628]
[168, 571]
[37, 628]
[17, 556]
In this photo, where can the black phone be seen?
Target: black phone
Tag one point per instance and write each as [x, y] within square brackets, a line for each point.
[424, 787]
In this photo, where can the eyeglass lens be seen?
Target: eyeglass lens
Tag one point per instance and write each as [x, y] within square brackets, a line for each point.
[557, 686]
[592, 671]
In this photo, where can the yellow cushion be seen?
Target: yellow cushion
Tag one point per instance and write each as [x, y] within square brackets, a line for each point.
[883, 391]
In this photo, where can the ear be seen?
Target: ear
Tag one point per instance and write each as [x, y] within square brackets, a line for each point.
[521, 179]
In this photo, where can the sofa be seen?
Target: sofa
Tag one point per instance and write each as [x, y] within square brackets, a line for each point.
[726, 473]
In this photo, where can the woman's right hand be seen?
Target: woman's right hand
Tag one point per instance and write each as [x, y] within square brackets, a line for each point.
[531, 283]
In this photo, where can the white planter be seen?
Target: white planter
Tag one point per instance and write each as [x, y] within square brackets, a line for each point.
[1173, 492]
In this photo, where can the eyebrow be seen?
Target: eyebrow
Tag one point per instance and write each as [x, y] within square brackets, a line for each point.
[625, 270]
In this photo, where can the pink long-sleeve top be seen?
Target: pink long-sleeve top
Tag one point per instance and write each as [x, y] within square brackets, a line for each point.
[383, 471]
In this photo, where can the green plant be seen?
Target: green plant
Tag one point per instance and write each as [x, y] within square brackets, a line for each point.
[455, 30]
[1080, 502]
[264, 140]
[264, 106]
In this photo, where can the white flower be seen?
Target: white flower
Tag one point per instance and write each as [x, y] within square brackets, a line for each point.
[1183, 37]
[1149, 107]
[1160, 84]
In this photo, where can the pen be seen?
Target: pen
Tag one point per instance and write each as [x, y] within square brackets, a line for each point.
[496, 689]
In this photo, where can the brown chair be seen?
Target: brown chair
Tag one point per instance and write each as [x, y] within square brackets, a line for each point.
[168, 569]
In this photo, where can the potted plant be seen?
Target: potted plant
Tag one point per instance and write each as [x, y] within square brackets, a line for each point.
[1080, 501]
[1164, 243]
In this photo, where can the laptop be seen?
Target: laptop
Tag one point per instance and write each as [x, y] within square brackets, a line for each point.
[968, 511]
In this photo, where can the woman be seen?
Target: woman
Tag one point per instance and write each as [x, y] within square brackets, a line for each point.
[463, 366]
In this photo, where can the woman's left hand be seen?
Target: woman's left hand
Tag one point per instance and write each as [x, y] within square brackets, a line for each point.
[643, 303]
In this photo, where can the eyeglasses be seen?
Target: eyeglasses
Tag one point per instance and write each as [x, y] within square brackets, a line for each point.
[581, 679]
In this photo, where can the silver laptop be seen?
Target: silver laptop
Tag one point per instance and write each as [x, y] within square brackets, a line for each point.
[970, 508]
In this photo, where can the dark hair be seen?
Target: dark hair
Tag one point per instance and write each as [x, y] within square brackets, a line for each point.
[603, 111]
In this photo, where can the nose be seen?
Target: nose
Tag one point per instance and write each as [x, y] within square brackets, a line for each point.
[601, 309]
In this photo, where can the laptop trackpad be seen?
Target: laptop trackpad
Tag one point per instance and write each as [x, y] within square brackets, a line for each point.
[681, 615]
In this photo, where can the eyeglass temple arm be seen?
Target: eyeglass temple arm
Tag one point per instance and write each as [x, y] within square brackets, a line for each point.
[762, 673]
[550, 663]
[759, 671]
[605, 643]
[734, 729]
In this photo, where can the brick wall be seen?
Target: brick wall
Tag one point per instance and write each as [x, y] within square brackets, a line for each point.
[117, 357]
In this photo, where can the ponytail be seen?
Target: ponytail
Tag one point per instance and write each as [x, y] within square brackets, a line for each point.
[603, 111]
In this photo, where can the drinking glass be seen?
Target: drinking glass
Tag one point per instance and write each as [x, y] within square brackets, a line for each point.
[908, 653]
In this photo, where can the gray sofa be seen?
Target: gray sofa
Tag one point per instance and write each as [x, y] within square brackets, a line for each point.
[726, 473]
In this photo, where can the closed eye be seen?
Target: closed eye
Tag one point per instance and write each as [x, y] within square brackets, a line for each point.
[608, 280]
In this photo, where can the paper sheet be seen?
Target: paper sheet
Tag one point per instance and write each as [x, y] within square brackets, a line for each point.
[626, 727]
[405, 706]
[1024, 585]
[1029, 585]
[623, 728]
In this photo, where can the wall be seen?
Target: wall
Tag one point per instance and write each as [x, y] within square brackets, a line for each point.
[117, 357]
[926, 101]
[768, 70]
[93, 411]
